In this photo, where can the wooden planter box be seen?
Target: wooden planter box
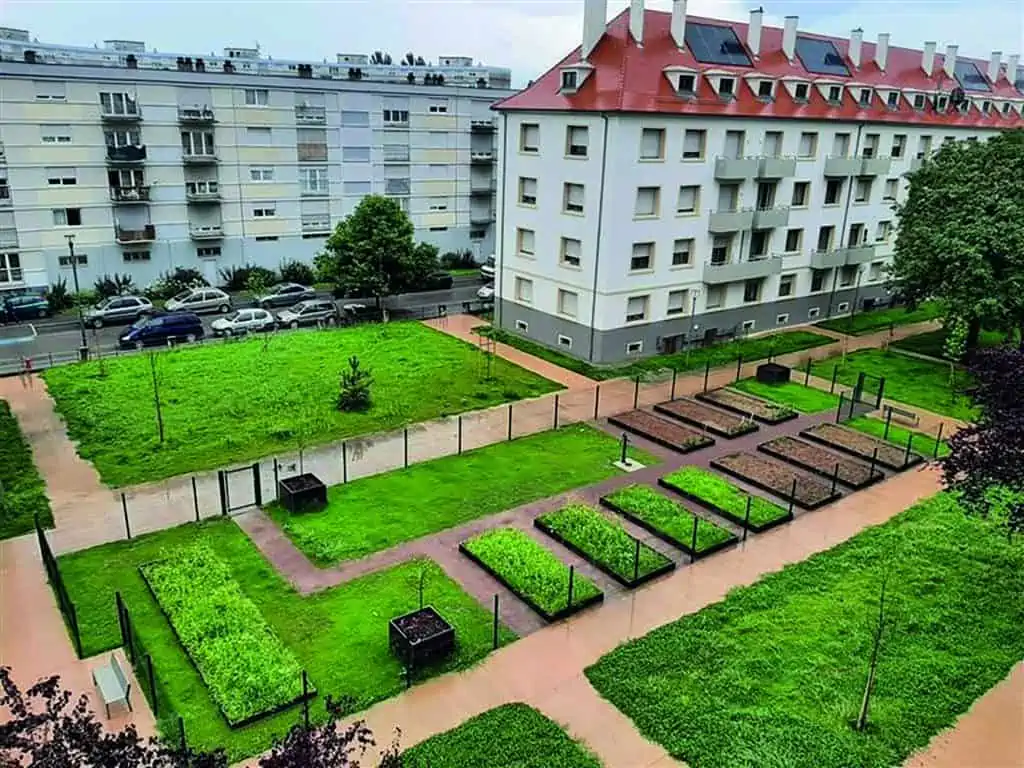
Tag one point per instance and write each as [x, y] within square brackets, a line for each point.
[302, 493]
[421, 637]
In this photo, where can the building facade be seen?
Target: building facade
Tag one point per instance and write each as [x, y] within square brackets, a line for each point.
[678, 180]
[155, 161]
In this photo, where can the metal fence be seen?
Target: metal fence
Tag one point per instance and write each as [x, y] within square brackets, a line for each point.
[67, 608]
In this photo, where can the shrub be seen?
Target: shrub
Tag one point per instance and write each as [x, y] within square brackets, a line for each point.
[458, 259]
[170, 284]
[297, 272]
[59, 297]
[115, 285]
[237, 278]
[355, 387]
[22, 493]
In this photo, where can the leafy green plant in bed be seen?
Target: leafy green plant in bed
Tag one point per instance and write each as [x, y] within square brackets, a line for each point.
[923, 444]
[880, 319]
[22, 492]
[718, 492]
[530, 569]
[668, 516]
[790, 393]
[603, 540]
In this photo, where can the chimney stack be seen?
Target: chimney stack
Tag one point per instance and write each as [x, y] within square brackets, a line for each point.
[595, 15]
[789, 36]
[678, 26]
[754, 31]
[856, 38]
[928, 58]
[882, 50]
[1011, 67]
[949, 60]
[636, 20]
[993, 65]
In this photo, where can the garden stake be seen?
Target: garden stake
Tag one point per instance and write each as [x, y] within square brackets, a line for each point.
[494, 631]
[693, 540]
[675, 372]
[344, 462]
[510, 421]
[195, 494]
[597, 399]
[746, 518]
[792, 496]
[910, 441]
[636, 560]
[181, 733]
[938, 439]
[888, 423]
[707, 370]
[835, 478]
[835, 375]
[152, 683]
[460, 436]
[556, 412]
[124, 507]
[636, 392]
[874, 458]
[572, 576]
[405, 446]
[305, 699]
[739, 366]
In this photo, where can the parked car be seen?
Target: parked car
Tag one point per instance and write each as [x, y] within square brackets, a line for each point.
[243, 321]
[487, 270]
[438, 281]
[24, 307]
[200, 300]
[151, 331]
[285, 295]
[486, 292]
[309, 312]
[118, 309]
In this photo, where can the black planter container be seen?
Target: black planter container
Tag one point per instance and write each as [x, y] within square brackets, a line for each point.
[416, 646]
[772, 373]
[302, 493]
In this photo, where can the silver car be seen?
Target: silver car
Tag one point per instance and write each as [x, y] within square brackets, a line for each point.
[243, 321]
[119, 309]
[313, 312]
[200, 300]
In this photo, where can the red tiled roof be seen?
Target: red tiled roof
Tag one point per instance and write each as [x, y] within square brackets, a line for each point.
[629, 78]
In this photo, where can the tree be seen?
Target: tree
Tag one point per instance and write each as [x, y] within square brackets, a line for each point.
[355, 387]
[961, 233]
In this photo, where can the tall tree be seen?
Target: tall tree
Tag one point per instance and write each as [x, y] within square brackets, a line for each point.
[961, 233]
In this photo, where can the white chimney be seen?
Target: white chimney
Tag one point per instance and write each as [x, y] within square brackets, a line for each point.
[1011, 67]
[678, 27]
[789, 36]
[993, 65]
[595, 15]
[928, 58]
[856, 38]
[754, 31]
[949, 60]
[882, 50]
[636, 20]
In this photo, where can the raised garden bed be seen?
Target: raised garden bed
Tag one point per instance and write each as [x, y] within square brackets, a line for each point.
[690, 411]
[776, 477]
[302, 493]
[669, 520]
[717, 494]
[662, 431]
[814, 458]
[861, 445]
[534, 574]
[421, 637]
[747, 405]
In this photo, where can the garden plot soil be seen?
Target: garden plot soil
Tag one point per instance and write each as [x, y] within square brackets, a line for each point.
[715, 421]
[861, 445]
[662, 431]
[776, 477]
[421, 625]
[738, 402]
[816, 459]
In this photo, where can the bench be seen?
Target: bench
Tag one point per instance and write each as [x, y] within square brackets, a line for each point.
[901, 414]
[113, 686]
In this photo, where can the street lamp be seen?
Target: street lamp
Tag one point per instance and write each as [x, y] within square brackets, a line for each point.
[689, 332]
[84, 349]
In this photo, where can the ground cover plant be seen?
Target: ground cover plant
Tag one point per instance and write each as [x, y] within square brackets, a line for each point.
[245, 666]
[922, 443]
[716, 421]
[861, 443]
[667, 432]
[718, 493]
[338, 635]
[22, 491]
[510, 736]
[604, 542]
[864, 323]
[379, 512]
[774, 675]
[667, 519]
[776, 476]
[530, 570]
[790, 393]
[748, 405]
[229, 402]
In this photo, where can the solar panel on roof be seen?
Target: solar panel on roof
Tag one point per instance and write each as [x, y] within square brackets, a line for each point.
[712, 44]
[969, 77]
[820, 57]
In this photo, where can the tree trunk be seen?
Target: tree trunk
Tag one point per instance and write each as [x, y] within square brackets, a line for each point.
[973, 333]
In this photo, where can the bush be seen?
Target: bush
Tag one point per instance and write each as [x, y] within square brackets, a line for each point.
[116, 285]
[458, 259]
[169, 284]
[22, 493]
[59, 297]
[297, 272]
[237, 278]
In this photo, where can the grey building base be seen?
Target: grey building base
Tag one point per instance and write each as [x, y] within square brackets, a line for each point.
[610, 347]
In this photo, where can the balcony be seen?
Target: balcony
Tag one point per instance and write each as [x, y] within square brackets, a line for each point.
[836, 165]
[776, 167]
[305, 115]
[828, 259]
[207, 192]
[194, 157]
[127, 236]
[206, 231]
[483, 186]
[769, 218]
[196, 115]
[312, 152]
[131, 116]
[735, 168]
[5, 196]
[481, 217]
[481, 157]
[916, 163]
[875, 166]
[482, 126]
[860, 254]
[396, 158]
[316, 227]
[129, 194]
[126, 154]
[751, 269]
[730, 221]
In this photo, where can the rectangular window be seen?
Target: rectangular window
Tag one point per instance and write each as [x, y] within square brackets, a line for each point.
[313, 181]
[864, 97]
[355, 154]
[846, 277]
[634, 347]
[715, 297]
[527, 191]
[50, 90]
[64, 177]
[568, 303]
[726, 87]
[766, 195]
[924, 147]
[636, 308]
[524, 290]
[395, 116]
[813, 313]
[764, 89]
[862, 192]
[800, 193]
[794, 240]
[759, 242]
[134, 256]
[525, 239]
[197, 142]
[801, 92]
[720, 249]
[647, 201]
[687, 201]
[786, 284]
[899, 145]
[752, 290]
[808, 145]
[10, 268]
[209, 252]
[835, 94]
[818, 277]
[919, 101]
[682, 252]
[891, 188]
[128, 137]
[257, 137]
[265, 211]
[529, 138]
[735, 142]
[256, 97]
[522, 325]
[858, 234]
[81, 260]
[438, 107]
[870, 145]
[875, 271]
[570, 80]
[55, 134]
[884, 231]
[781, 319]
[652, 144]
[571, 252]
[577, 140]
[396, 153]
[833, 191]
[355, 119]
[67, 217]
[118, 104]
[841, 145]
[565, 341]
[397, 187]
[572, 198]
[642, 258]
[261, 173]
[772, 144]
[694, 141]
[676, 303]
[357, 187]
[825, 235]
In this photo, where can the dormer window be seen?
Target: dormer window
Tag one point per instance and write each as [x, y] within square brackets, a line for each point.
[687, 85]
[919, 102]
[726, 87]
[986, 107]
[940, 103]
[963, 107]
[892, 100]
[835, 94]
[864, 97]
[765, 90]
[570, 80]
[802, 92]
[1007, 109]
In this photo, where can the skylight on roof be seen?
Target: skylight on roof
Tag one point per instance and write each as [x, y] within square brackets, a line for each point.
[712, 44]
[820, 57]
[969, 77]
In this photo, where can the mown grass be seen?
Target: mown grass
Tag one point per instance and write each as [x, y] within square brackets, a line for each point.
[795, 395]
[669, 517]
[379, 512]
[922, 443]
[339, 635]
[22, 490]
[878, 319]
[774, 674]
[718, 492]
[933, 343]
[232, 402]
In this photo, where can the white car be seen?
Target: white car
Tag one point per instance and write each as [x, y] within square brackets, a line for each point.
[200, 300]
[487, 271]
[486, 292]
[243, 321]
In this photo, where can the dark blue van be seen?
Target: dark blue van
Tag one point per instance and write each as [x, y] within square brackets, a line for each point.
[178, 326]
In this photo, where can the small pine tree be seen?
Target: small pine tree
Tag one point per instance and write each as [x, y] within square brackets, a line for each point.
[355, 387]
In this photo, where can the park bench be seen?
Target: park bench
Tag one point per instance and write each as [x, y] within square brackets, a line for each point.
[901, 414]
[113, 686]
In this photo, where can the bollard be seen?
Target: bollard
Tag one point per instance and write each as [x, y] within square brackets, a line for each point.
[707, 372]
[494, 632]
[460, 436]
[510, 421]
[636, 392]
[344, 462]
[572, 576]
[124, 508]
[195, 493]
[555, 423]
[938, 440]
[746, 518]
[675, 372]
[792, 497]
[597, 400]
[693, 539]
[405, 446]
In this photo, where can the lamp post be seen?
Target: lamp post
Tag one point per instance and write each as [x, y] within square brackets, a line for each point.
[689, 332]
[84, 349]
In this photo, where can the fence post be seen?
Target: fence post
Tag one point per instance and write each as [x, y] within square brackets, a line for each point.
[75, 633]
[119, 604]
[257, 485]
[572, 576]
[181, 733]
[792, 496]
[746, 518]
[807, 375]
[636, 392]
[835, 478]
[555, 424]
[874, 460]
[853, 402]
[693, 540]
[881, 391]
[222, 490]
[636, 560]
[739, 366]
[675, 372]
[597, 400]
[305, 699]
[938, 440]
[124, 508]
[405, 446]
[460, 436]
[910, 442]
[494, 631]
[835, 375]
[888, 423]
[707, 372]
[510, 421]
[839, 409]
[195, 492]
[344, 462]
[152, 683]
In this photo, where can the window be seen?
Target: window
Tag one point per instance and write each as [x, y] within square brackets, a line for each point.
[1007, 108]
[752, 290]
[570, 79]
[10, 268]
[875, 271]
[940, 103]
[261, 173]
[694, 141]
[726, 87]
[568, 303]
[258, 137]
[197, 142]
[748, 325]
[715, 297]
[847, 275]
[841, 145]
[353, 119]
[652, 144]
[264, 211]
[634, 347]
[525, 239]
[899, 145]
[209, 252]
[818, 279]
[794, 240]
[764, 90]
[642, 258]
[801, 92]
[735, 142]
[55, 134]
[81, 260]
[862, 191]
[400, 187]
[524, 290]
[118, 104]
[687, 84]
[357, 187]
[759, 240]
[522, 325]
[924, 147]
[825, 235]
[50, 90]
[572, 198]
[395, 116]
[843, 306]
[527, 191]
[786, 285]
[125, 138]
[67, 217]
[919, 102]
[565, 341]
[835, 94]
[766, 195]
[720, 248]
[883, 232]
[833, 191]
[576, 140]
[64, 177]
[477, 234]
[636, 308]
[395, 153]
[891, 189]
[808, 145]
[570, 252]
[800, 190]
[686, 203]
[781, 319]
[864, 98]
[858, 234]
[772, 144]
[438, 107]
[870, 145]
[892, 99]
[134, 256]
[682, 252]
[313, 181]
[813, 313]
[355, 154]
[529, 138]
[676, 303]
[256, 97]
[647, 201]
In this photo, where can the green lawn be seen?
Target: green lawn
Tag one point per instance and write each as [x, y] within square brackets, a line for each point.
[756, 348]
[379, 512]
[878, 319]
[22, 491]
[510, 736]
[791, 393]
[774, 674]
[715, 490]
[907, 380]
[339, 636]
[932, 343]
[922, 443]
[669, 517]
[230, 402]
[464, 272]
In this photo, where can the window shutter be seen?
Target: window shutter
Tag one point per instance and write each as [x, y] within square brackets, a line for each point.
[650, 143]
[575, 194]
[692, 143]
[687, 199]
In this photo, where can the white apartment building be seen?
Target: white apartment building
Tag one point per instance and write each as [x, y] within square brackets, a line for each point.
[153, 161]
[676, 179]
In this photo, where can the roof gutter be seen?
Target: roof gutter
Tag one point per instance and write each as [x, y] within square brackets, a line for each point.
[597, 247]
